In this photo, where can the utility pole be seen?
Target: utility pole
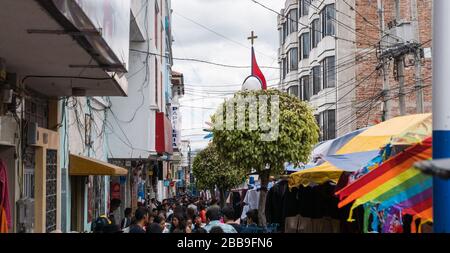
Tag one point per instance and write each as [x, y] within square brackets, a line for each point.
[441, 114]
[189, 168]
[386, 102]
[400, 62]
[417, 57]
[401, 83]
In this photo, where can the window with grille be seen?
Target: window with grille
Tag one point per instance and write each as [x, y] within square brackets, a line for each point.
[29, 168]
[50, 193]
[36, 111]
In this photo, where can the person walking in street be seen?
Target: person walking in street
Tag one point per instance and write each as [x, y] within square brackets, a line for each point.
[189, 226]
[228, 214]
[193, 206]
[114, 216]
[190, 213]
[157, 226]
[178, 225]
[197, 224]
[213, 219]
[141, 220]
[252, 223]
[202, 213]
[126, 221]
[153, 204]
[216, 230]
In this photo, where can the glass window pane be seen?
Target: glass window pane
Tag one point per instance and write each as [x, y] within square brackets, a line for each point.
[305, 7]
[316, 78]
[293, 90]
[305, 45]
[306, 88]
[293, 58]
[331, 124]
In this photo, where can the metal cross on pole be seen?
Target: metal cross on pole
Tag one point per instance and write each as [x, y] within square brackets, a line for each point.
[252, 37]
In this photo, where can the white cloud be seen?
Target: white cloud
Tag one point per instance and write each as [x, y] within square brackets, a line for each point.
[234, 19]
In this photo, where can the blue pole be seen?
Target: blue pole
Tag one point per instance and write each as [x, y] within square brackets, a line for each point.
[441, 111]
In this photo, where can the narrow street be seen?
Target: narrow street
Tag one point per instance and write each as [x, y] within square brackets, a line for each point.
[231, 117]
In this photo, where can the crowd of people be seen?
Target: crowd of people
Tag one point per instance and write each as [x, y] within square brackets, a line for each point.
[178, 215]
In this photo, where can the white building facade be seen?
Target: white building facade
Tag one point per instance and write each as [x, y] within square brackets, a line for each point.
[309, 56]
[142, 133]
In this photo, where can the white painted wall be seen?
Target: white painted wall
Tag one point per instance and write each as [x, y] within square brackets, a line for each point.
[134, 137]
[328, 46]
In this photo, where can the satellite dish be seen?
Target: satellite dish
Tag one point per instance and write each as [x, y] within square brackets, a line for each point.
[252, 83]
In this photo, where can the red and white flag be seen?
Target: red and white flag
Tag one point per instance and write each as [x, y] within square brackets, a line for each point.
[256, 71]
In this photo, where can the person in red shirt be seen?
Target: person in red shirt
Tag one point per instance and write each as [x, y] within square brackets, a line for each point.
[202, 213]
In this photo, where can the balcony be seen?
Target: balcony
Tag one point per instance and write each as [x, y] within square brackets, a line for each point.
[57, 49]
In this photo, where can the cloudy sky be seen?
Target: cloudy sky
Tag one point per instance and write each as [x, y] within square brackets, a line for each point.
[217, 31]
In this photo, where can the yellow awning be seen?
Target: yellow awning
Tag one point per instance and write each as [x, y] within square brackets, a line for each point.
[318, 175]
[380, 135]
[401, 129]
[86, 166]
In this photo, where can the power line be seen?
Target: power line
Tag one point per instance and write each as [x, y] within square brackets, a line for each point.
[307, 26]
[219, 34]
[370, 23]
[347, 27]
[201, 61]
[391, 98]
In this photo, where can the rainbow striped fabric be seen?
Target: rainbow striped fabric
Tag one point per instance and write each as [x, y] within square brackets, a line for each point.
[395, 183]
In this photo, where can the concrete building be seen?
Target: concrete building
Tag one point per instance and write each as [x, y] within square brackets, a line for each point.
[141, 137]
[330, 56]
[57, 64]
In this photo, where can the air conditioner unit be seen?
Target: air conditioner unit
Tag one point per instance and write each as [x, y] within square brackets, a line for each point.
[8, 128]
[42, 137]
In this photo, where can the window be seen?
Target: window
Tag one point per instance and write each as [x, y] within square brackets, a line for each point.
[328, 16]
[156, 81]
[293, 59]
[280, 31]
[285, 70]
[317, 116]
[316, 80]
[304, 7]
[292, 20]
[285, 32]
[305, 45]
[329, 72]
[306, 88]
[315, 33]
[156, 24]
[293, 90]
[328, 126]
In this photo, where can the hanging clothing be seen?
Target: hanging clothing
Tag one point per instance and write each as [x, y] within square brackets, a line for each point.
[237, 204]
[5, 209]
[275, 202]
[251, 201]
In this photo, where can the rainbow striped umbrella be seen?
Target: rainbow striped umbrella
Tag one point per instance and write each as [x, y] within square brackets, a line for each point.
[395, 183]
